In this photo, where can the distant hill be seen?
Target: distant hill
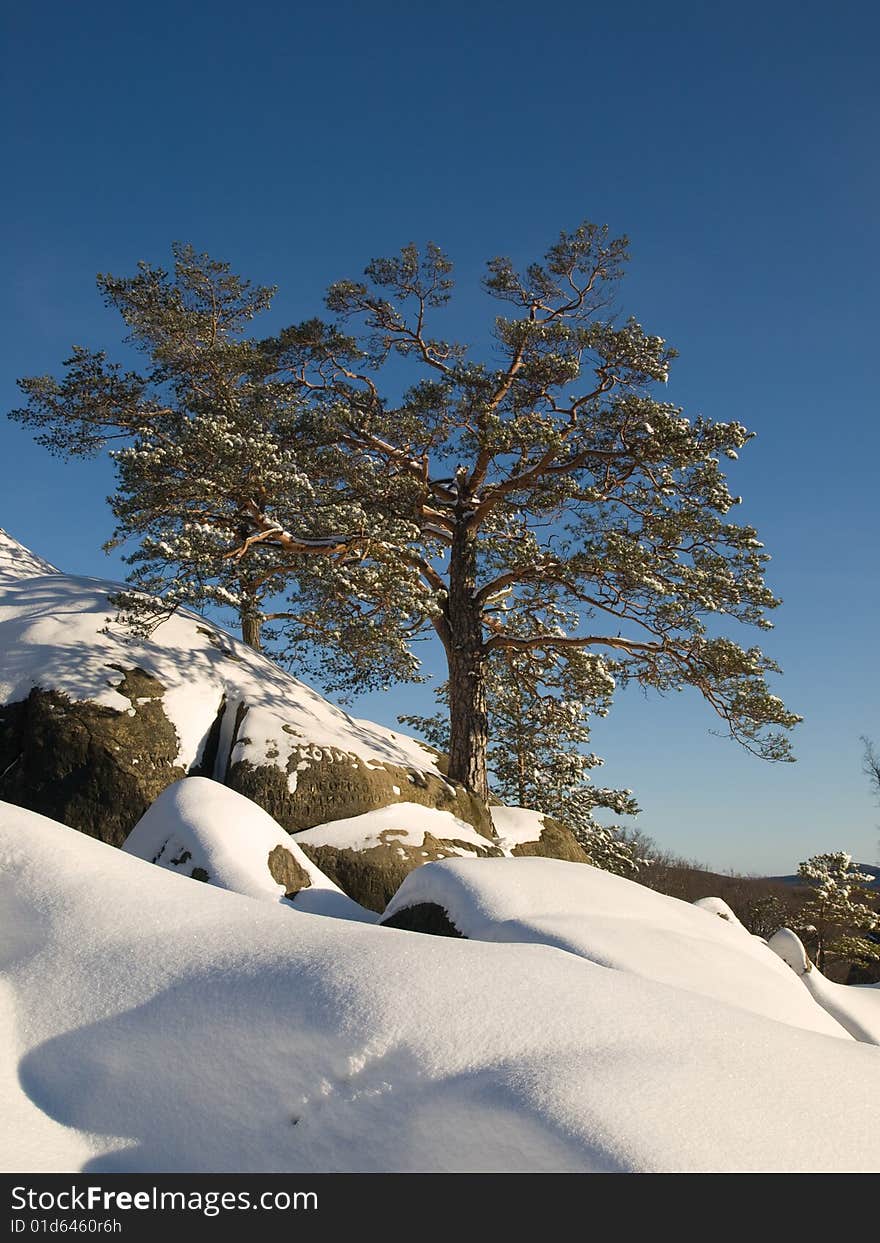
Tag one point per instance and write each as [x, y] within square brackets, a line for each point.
[871, 868]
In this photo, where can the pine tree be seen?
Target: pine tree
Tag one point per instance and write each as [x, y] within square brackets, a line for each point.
[186, 430]
[555, 507]
[837, 914]
[541, 502]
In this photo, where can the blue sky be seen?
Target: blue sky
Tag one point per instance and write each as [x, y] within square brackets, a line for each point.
[736, 148]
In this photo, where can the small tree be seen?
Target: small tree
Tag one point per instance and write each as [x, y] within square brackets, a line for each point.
[837, 915]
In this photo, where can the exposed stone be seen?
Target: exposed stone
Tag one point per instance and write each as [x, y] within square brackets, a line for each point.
[91, 767]
[428, 917]
[373, 876]
[555, 842]
[338, 785]
[288, 871]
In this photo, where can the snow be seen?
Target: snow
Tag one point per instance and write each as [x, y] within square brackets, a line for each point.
[197, 823]
[615, 923]
[159, 1025]
[17, 562]
[59, 632]
[717, 906]
[402, 822]
[856, 1007]
[515, 825]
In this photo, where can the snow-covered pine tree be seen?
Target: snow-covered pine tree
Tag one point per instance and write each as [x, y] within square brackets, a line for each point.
[195, 432]
[485, 502]
[553, 505]
[840, 909]
[539, 727]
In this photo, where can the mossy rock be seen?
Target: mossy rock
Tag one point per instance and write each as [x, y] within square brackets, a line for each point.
[336, 785]
[555, 842]
[373, 876]
[88, 766]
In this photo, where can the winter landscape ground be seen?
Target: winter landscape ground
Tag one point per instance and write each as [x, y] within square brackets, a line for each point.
[568, 1020]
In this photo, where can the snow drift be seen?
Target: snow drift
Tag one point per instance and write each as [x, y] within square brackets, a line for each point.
[203, 830]
[615, 923]
[154, 1023]
[855, 1006]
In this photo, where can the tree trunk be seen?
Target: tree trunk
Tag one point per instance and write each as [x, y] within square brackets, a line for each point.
[251, 619]
[468, 717]
[251, 628]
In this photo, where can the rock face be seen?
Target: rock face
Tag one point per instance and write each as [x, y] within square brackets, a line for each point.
[369, 855]
[90, 767]
[325, 783]
[287, 871]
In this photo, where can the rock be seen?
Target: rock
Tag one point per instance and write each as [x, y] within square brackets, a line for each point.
[555, 842]
[323, 783]
[91, 712]
[425, 917]
[372, 876]
[202, 830]
[287, 871]
[91, 767]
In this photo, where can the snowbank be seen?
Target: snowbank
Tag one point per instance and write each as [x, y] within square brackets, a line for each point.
[179, 1027]
[615, 923]
[198, 826]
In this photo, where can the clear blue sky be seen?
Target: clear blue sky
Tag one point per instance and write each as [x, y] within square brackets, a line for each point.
[737, 147]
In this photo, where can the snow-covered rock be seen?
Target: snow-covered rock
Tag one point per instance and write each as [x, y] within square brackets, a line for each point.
[94, 723]
[855, 1006]
[370, 855]
[616, 923]
[203, 830]
[17, 562]
[717, 906]
[521, 831]
[197, 1029]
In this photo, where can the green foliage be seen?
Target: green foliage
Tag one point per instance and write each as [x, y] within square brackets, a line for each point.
[839, 910]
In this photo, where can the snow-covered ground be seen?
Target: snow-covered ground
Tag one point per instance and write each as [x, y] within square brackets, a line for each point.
[154, 1023]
